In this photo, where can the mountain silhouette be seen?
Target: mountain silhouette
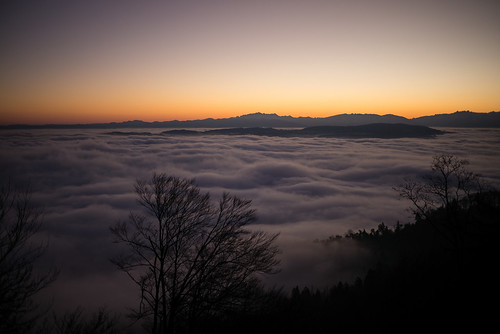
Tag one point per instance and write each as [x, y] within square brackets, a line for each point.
[457, 119]
[375, 130]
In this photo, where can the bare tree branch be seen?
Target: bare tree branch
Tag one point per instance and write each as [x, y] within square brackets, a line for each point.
[19, 282]
[188, 256]
[443, 198]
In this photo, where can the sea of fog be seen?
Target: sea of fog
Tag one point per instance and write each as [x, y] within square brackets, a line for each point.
[306, 189]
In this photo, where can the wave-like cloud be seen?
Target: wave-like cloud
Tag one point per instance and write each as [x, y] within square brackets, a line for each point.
[304, 188]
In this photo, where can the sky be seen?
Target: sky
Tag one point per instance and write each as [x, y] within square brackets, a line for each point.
[101, 61]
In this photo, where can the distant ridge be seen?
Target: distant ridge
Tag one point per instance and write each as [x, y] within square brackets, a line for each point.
[461, 119]
[456, 119]
[374, 130]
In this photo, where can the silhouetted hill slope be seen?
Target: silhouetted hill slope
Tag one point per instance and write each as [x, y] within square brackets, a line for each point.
[379, 130]
[457, 119]
[416, 283]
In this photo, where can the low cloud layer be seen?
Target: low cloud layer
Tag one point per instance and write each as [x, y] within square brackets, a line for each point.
[304, 188]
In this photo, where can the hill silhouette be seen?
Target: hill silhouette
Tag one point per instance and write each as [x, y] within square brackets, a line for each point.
[457, 119]
[414, 285]
[378, 130]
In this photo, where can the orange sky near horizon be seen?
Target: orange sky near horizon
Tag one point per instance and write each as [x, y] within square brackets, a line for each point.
[113, 61]
[108, 114]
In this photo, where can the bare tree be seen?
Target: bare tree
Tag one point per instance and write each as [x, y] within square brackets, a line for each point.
[77, 322]
[448, 185]
[19, 222]
[443, 198]
[188, 256]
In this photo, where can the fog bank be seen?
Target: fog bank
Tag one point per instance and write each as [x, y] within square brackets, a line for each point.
[303, 188]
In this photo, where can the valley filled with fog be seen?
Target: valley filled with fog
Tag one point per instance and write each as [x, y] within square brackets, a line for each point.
[306, 189]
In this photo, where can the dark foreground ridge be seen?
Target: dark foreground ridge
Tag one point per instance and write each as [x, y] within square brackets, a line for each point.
[378, 130]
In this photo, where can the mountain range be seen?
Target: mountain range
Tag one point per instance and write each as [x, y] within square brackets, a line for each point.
[456, 119]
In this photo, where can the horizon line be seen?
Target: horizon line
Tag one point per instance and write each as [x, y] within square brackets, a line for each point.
[223, 118]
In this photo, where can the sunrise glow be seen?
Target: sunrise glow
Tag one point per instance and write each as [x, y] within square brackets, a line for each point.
[95, 62]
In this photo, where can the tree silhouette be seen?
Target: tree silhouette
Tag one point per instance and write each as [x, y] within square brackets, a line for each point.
[448, 185]
[445, 198]
[19, 222]
[189, 257]
[79, 322]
